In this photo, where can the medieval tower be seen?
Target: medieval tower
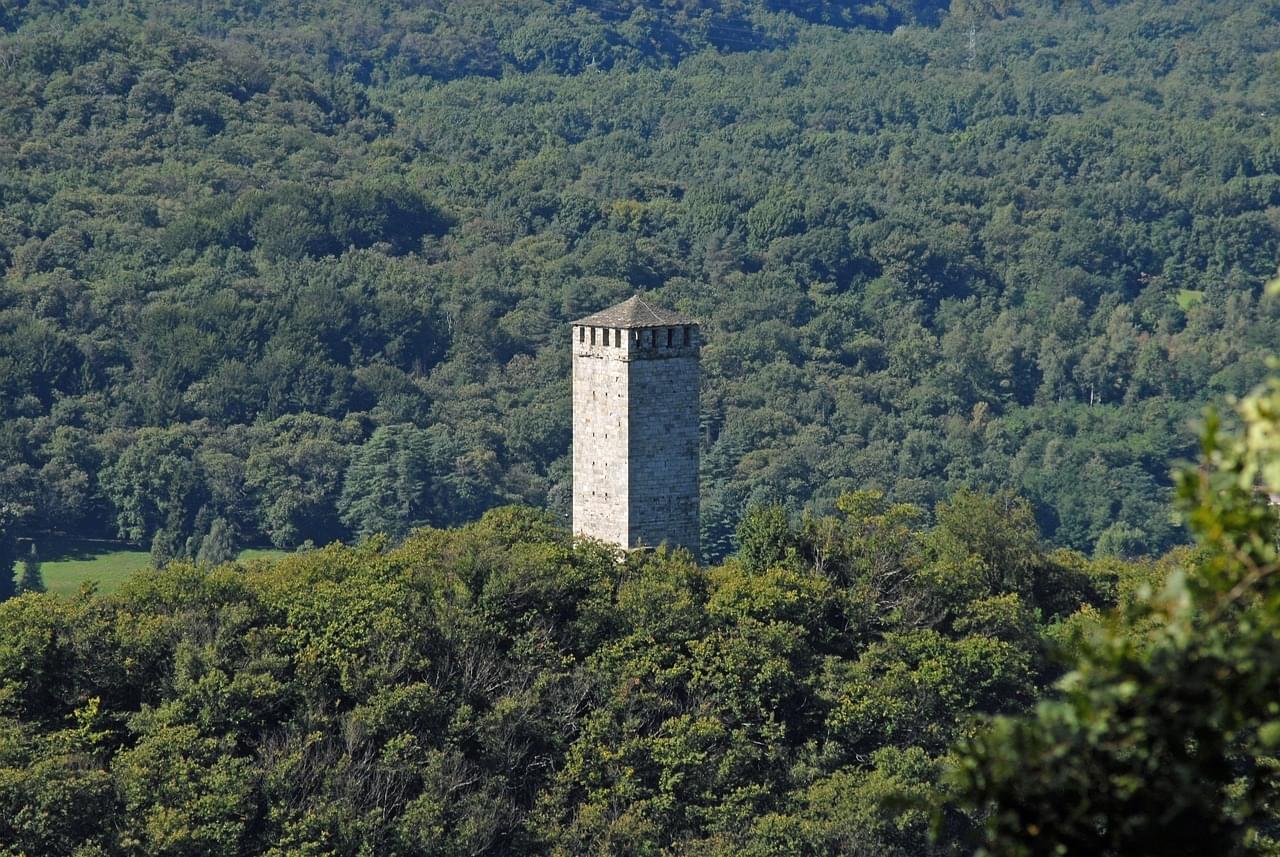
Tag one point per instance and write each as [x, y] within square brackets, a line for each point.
[635, 427]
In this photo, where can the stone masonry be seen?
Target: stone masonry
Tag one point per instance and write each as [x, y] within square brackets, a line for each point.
[635, 427]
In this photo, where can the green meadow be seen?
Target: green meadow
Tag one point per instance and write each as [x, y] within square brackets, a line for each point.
[68, 563]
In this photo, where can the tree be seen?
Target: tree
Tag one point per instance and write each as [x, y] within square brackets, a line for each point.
[295, 471]
[764, 538]
[31, 579]
[165, 547]
[1163, 743]
[8, 549]
[387, 486]
[156, 483]
[219, 545]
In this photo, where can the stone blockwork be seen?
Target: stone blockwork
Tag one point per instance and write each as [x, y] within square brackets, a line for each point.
[600, 439]
[663, 449]
[635, 427]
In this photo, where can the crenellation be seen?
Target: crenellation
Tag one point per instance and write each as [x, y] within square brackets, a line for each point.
[650, 344]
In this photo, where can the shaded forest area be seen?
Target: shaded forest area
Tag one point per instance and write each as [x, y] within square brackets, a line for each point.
[300, 272]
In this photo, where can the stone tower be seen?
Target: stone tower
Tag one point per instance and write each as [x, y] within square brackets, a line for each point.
[635, 427]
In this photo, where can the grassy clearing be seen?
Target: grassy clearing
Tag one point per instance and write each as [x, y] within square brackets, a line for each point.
[67, 563]
[1189, 298]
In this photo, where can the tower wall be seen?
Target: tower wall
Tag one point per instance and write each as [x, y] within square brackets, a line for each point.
[600, 437]
[635, 435]
[663, 450]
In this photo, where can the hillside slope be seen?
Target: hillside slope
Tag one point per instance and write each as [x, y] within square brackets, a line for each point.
[262, 261]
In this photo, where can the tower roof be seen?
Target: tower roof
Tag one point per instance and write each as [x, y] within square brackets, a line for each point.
[632, 313]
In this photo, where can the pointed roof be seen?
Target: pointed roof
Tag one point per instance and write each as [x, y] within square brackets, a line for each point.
[632, 313]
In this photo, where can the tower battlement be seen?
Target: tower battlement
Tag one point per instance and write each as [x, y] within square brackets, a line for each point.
[635, 426]
[649, 343]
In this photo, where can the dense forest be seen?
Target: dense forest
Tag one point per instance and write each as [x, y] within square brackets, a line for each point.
[498, 689]
[289, 273]
[494, 690]
[298, 273]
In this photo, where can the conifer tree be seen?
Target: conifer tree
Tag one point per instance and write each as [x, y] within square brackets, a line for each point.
[8, 550]
[164, 547]
[219, 545]
[31, 579]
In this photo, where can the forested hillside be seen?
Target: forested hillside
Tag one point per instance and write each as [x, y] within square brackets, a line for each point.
[302, 271]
